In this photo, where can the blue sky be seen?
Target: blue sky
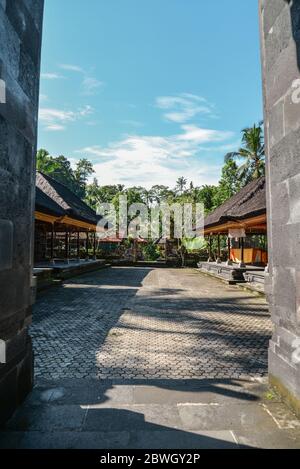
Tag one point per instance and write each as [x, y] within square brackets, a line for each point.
[149, 90]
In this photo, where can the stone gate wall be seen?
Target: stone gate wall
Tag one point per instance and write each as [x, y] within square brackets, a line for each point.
[280, 44]
[20, 45]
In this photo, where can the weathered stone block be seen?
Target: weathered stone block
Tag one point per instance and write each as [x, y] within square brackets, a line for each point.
[271, 12]
[284, 158]
[294, 198]
[10, 46]
[276, 124]
[278, 83]
[278, 37]
[6, 244]
[20, 18]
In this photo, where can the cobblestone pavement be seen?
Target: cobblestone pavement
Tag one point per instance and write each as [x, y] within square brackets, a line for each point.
[143, 323]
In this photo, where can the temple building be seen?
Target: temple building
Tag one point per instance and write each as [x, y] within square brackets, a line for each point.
[236, 233]
[65, 226]
[242, 219]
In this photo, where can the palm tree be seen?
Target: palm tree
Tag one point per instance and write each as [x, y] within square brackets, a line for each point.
[252, 151]
[180, 184]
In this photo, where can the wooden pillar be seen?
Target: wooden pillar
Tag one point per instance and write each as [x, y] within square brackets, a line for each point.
[242, 250]
[67, 245]
[210, 259]
[87, 247]
[78, 245]
[52, 245]
[229, 261]
[219, 249]
[94, 247]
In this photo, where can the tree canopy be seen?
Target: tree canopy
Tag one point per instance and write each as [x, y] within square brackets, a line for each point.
[233, 178]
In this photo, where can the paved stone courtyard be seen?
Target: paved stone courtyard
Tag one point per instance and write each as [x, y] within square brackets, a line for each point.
[150, 358]
[143, 323]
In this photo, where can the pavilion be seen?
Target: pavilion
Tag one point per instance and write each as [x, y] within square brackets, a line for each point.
[65, 226]
[242, 222]
[240, 219]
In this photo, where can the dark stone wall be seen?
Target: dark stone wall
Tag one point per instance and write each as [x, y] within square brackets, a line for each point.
[280, 44]
[20, 46]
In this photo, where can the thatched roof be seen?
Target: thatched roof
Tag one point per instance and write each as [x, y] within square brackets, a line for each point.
[64, 198]
[247, 203]
[45, 204]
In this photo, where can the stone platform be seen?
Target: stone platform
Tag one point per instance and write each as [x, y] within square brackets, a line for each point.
[256, 280]
[48, 274]
[232, 274]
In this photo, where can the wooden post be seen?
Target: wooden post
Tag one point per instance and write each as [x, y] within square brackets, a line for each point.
[219, 260]
[242, 251]
[87, 246]
[70, 244]
[67, 246]
[78, 246]
[94, 248]
[229, 261]
[52, 245]
[210, 249]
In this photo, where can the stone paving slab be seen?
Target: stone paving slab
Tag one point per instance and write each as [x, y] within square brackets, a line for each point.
[54, 417]
[171, 439]
[137, 323]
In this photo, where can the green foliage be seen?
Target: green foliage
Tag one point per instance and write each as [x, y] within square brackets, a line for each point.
[229, 184]
[150, 252]
[180, 185]
[60, 169]
[252, 153]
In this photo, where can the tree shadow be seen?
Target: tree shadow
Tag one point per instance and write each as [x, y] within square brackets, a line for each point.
[92, 414]
[224, 333]
[70, 323]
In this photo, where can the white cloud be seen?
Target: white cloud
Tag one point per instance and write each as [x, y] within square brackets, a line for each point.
[184, 107]
[148, 160]
[43, 97]
[71, 68]
[55, 127]
[51, 76]
[91, 85]
[57, 119]
[198, 135]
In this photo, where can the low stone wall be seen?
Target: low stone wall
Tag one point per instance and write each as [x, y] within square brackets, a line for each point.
[230, 273]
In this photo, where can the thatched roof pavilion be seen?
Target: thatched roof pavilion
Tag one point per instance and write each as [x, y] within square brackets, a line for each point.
[243, 215]
[245, 209]
[62, 222]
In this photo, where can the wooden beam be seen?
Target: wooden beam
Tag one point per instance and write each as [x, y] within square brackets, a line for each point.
[249, 223]
[66, 220]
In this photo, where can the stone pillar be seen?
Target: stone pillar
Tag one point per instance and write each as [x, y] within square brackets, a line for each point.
[20, 45]
[280, 44]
